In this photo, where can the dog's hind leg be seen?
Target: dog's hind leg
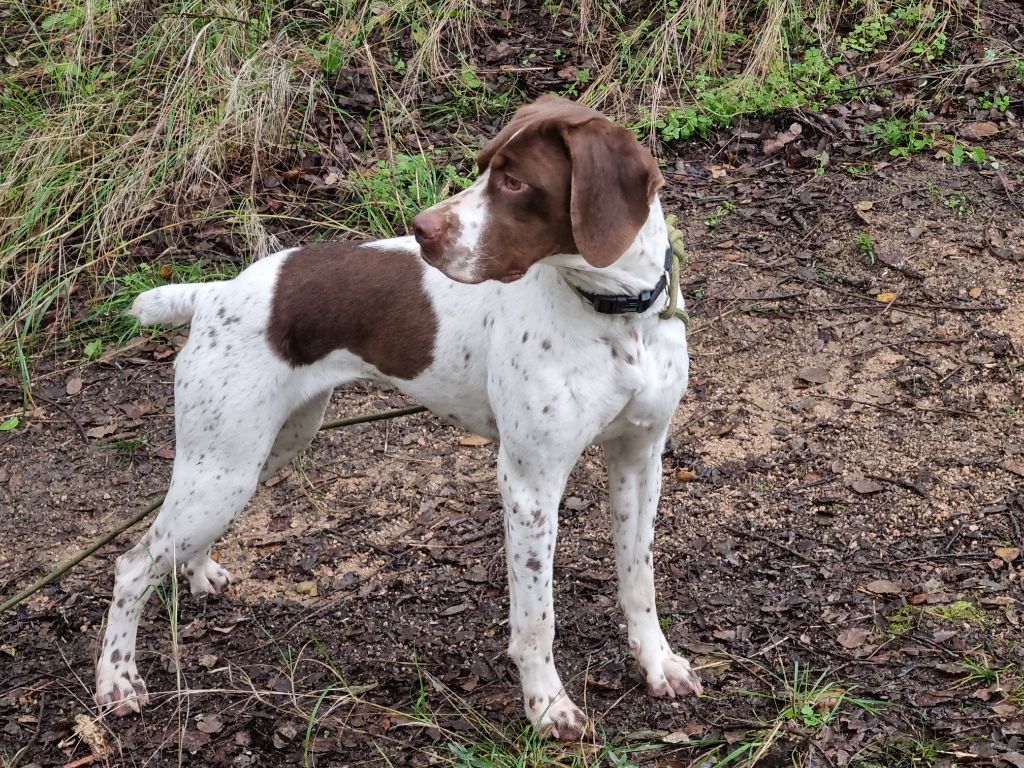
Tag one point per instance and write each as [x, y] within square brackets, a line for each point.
[222, 444]
[296, 434]
[205, 575]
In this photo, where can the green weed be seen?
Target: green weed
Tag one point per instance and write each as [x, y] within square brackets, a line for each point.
[959, 153]
[865, 247]
[802, 706]
[715, 219]
[902, 136]
[960, 204]
[393, 192]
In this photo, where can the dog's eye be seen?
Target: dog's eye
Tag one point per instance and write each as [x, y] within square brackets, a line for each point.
[512, 184]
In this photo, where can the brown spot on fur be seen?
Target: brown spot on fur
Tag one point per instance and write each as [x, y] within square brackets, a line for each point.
[369, 301]
[533, 564]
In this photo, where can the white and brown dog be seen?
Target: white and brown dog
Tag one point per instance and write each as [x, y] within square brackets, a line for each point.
[526, 308]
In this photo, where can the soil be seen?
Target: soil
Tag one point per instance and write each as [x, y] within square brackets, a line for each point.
[843, 494]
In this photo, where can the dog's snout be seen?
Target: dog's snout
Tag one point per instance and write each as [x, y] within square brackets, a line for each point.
[428, 227]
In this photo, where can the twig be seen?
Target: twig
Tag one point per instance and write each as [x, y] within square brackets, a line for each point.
[926, 75]
[766, 540]
[60, 570]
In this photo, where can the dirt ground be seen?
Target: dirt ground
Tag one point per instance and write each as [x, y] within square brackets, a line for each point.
[843, 491]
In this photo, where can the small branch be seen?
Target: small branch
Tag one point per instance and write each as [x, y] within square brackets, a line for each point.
[926, 75]
[67, 566]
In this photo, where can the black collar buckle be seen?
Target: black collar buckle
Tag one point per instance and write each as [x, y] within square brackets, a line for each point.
[622, 305]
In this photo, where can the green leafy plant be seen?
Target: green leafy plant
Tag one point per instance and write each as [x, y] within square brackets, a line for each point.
[865, 246]
[902, 136]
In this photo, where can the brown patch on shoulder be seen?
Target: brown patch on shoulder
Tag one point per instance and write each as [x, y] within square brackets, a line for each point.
[369, 301]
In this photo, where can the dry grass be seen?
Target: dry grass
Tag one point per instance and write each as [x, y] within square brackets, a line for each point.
[122, 118]
[98, 148]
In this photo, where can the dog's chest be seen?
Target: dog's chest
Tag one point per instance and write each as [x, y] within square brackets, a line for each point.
[651, 366]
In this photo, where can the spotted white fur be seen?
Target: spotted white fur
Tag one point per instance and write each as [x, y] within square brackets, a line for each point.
[527, 362]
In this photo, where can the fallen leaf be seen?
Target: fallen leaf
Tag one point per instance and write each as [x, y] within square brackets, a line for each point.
[864, 205]
[74, 385]
[931, 698]
[685, 475]
[865, 486]
[885, 297]
[455, 609]
[813, 375]
[853, 637]
[1013, 466]
[1009, 554]
[774, 145]
[975, 292]
[101, 431]
[193, 741]
[474, 440]
[210, 724]
[307, 588]
[883, 587]
[1015, 759]
[980, 130]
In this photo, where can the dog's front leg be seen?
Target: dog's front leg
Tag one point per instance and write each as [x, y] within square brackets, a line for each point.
[634, 483]
[530, 490]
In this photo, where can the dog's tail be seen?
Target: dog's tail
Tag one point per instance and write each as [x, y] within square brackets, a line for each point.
[168, 304]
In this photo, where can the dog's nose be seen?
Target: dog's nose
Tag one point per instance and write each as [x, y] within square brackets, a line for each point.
[428, 228]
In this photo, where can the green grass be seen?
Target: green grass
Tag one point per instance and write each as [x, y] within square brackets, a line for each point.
[801, 705]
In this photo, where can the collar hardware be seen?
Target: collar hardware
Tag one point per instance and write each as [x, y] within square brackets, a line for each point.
[612, 304]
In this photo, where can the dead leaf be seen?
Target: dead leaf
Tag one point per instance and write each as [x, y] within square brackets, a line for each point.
[883, 587]
[74, 385]
[474, 440]
[865, 486]
[774, 145]
[864, 205]
[974, 292]
[813, 375]
[101, 431]
[885, 297]
[210, 724]
[307, 588]
[1009, 554]
[931, 698]
[1015, 759]
[455, 609]
[853, 637]
[1013, 466]
[685, 475]
[193, 741]
[980, 130]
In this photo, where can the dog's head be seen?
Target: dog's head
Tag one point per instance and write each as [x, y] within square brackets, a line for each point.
[559, 178]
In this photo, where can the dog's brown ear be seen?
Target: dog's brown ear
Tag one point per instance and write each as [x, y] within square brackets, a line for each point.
[547, 110]
[614, 180]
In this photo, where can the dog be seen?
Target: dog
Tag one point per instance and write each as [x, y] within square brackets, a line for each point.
[524, 308]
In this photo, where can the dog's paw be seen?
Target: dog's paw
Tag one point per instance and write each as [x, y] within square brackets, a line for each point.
[206, 576]
[119, 688]
[559, 719]
[672, 677]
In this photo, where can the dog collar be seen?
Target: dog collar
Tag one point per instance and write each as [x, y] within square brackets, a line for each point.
[620, 305]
